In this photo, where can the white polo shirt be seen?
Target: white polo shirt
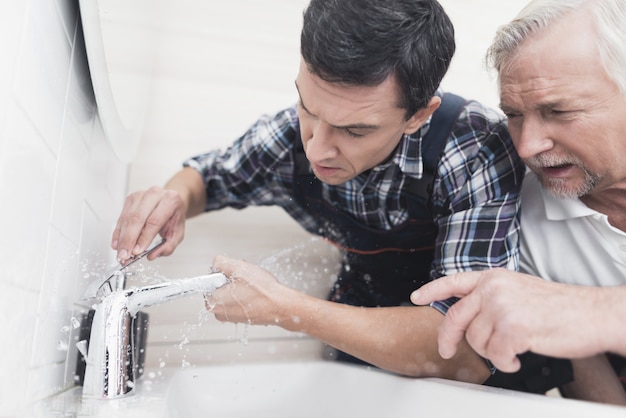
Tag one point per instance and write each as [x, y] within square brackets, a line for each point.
[565, 241]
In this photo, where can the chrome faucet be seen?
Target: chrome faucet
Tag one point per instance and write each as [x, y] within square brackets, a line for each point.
[110, 370]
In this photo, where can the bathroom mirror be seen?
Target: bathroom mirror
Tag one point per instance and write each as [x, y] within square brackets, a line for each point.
[121, 76]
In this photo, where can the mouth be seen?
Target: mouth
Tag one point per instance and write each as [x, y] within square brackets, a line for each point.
[324, 171]
[561, 170]
[553, 167]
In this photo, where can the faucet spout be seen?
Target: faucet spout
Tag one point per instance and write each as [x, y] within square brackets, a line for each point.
[110, 363]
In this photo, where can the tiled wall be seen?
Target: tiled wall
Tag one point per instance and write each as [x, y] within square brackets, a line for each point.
[61, 188]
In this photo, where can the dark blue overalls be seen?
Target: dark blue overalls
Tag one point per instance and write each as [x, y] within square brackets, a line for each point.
[382, 267]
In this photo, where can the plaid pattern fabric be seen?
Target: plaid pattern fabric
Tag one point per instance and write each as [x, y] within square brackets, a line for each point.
[475, 193]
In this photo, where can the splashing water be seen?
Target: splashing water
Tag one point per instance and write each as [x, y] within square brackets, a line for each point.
[75, 323]
[310, 267]
[246, 329]
[184, 342]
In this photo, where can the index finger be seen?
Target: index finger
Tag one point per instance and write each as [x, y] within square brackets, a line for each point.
[227, 265]
[459, 285]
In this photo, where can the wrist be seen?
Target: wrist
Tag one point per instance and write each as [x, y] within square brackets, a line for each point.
[609, 323]
[189, 187]
[296, 311]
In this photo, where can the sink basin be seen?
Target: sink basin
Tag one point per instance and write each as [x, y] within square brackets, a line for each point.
[331, 389]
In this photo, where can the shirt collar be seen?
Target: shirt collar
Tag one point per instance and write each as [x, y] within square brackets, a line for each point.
[408, 155]
[558, 209]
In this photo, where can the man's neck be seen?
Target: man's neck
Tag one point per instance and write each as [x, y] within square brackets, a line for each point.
[612, 203]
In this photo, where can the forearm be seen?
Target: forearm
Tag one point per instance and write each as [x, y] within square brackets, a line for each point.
[611, 313]
[399, 339]
[595, 380]
[189, 185]
[591, 320]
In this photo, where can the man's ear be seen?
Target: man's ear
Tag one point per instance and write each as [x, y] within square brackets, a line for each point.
[421, 116]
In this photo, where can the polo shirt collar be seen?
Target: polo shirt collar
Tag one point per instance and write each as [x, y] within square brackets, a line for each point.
[562, 209]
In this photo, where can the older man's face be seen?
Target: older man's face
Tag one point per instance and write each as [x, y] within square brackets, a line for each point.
[566, 117]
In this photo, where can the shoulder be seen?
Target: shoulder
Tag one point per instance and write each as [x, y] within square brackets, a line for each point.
[482, 123]
[273, 133]
[282, 123]
[479, 158]
[481, 136]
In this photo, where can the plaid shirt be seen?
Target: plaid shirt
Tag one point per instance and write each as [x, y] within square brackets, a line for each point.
[475, 193]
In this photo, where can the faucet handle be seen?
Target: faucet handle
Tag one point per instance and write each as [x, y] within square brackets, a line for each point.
[105, 287]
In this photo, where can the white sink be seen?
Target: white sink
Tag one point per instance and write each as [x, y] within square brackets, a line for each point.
[329, 389]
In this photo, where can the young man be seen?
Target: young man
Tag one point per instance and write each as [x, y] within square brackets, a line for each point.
[562, 75]
[411, 184]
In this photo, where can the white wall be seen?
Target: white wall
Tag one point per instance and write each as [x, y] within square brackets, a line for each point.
[61, 188]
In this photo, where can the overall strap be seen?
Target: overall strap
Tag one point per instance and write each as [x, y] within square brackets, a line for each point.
[441, 125]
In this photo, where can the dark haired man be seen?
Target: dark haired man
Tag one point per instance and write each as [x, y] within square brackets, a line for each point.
[412, 184]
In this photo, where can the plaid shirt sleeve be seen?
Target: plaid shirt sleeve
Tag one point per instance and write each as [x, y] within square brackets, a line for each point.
[255, 170]
[477, 194]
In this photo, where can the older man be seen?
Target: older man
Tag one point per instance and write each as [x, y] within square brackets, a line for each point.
[562, 75]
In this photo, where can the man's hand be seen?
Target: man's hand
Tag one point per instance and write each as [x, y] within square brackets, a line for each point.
[503, 313]
[253, 295]
[160, 211]
[146, 214]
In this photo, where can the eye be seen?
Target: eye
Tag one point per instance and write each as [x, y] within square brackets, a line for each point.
[304, 109]
[510, 113]
[353, 134]
[559, 114]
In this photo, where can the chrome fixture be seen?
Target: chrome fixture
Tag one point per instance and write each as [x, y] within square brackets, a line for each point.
[116, 280]
[110, 370]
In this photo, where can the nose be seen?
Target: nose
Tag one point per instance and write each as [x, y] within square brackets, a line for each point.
[531, 137]
[321, 143]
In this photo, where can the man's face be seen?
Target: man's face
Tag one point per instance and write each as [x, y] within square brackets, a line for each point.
[347, 130]
[566, 117]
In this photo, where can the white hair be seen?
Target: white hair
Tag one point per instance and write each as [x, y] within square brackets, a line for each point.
[608, 18]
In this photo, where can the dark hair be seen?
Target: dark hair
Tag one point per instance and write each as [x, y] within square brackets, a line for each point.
[362, 42]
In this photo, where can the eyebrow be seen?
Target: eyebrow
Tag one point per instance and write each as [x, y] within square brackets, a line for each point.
[357, 126]
[505, 108]
[542, 106]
